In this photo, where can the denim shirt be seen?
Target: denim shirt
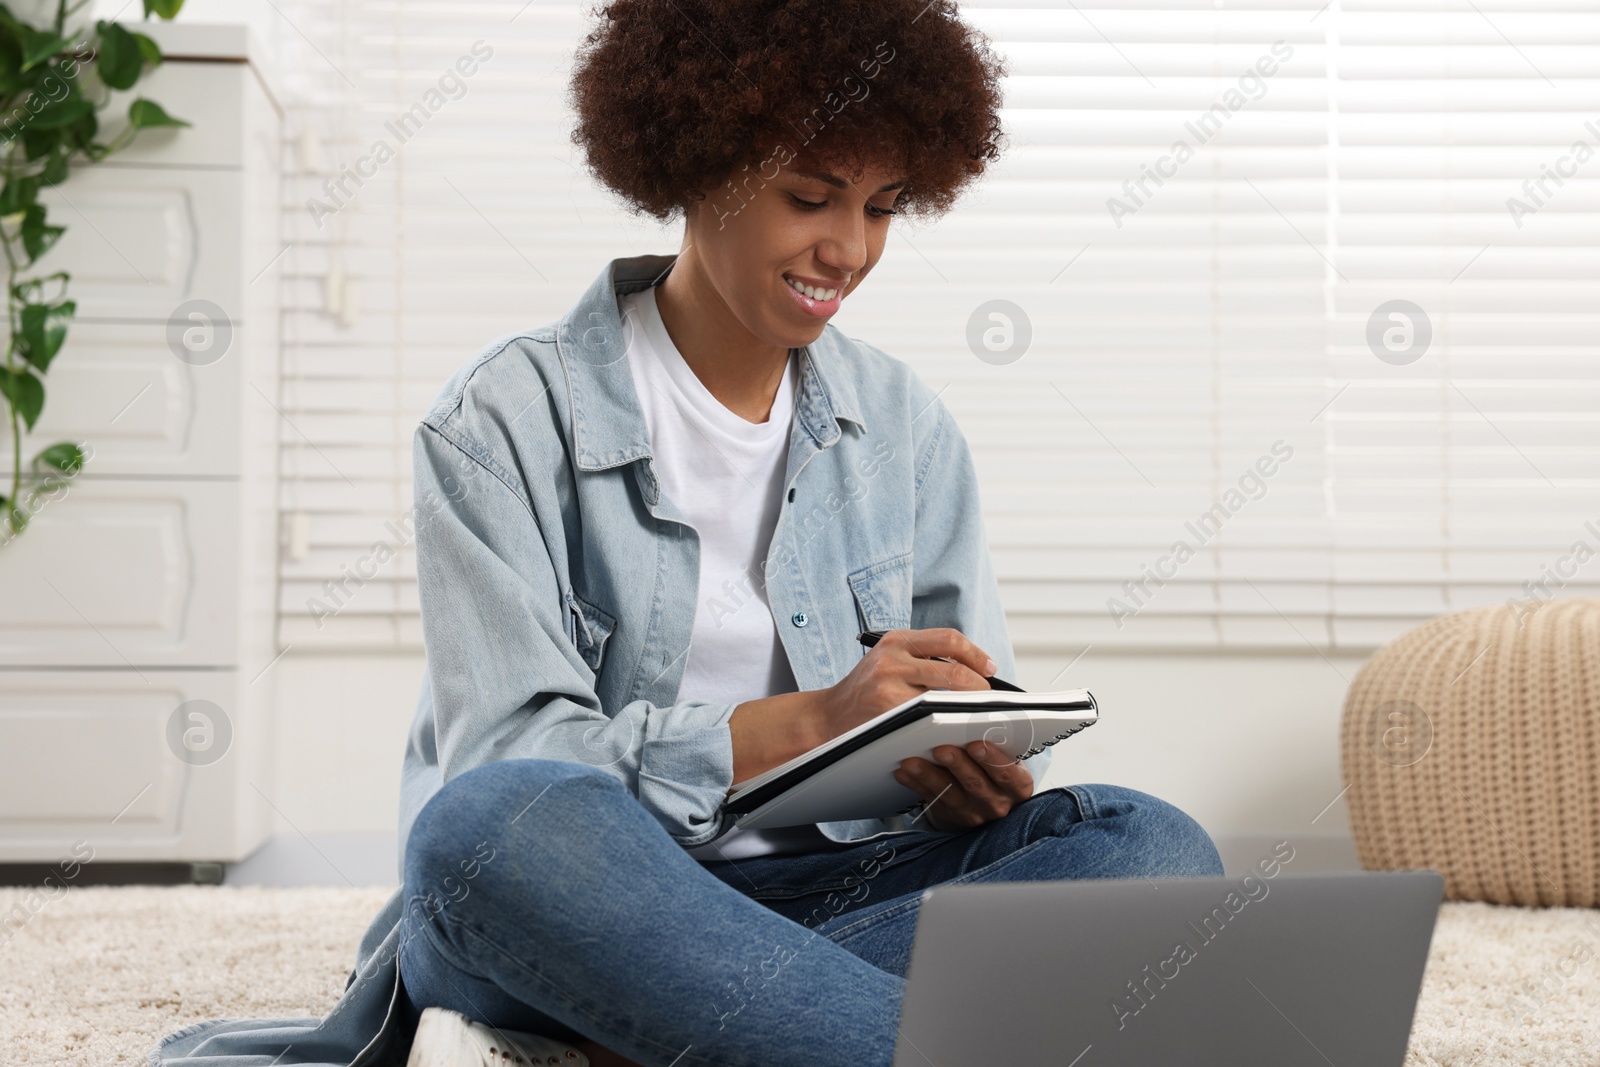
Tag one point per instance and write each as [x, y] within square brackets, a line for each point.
[558, 588]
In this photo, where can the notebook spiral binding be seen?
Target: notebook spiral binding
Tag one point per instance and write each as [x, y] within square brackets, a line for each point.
[1058, 737]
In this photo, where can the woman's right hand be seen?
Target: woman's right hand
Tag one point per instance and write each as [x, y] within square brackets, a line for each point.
[899, 667]
[772, 730]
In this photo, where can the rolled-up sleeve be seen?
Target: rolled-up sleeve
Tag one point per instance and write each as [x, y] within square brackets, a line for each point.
[507, 680]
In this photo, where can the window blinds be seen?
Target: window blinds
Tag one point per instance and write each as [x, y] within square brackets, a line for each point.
[1275, 327]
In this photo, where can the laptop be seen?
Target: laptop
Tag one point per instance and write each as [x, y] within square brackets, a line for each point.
[1250, 972]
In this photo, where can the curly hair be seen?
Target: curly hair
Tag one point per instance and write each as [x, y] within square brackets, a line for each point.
[673, 97]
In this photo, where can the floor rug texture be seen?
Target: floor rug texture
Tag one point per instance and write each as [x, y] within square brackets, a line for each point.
[97, 975]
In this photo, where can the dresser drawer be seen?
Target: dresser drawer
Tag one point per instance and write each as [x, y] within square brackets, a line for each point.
[89, 757]
[119, 392]
[142, 241]
[134, 573]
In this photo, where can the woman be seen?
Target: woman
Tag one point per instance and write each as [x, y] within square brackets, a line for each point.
[647, 536]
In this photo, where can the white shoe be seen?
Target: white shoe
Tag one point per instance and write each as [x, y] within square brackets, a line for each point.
[447, 1038]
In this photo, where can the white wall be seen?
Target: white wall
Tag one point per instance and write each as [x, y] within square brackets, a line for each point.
[1246, 743]
[341, 733]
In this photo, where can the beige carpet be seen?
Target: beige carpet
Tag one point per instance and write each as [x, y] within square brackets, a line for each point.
[101, 974]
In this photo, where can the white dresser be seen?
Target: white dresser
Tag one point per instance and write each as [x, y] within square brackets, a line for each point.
[150, 584]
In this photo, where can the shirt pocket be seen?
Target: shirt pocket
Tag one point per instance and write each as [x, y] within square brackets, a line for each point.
[591, 626]
[883, 593]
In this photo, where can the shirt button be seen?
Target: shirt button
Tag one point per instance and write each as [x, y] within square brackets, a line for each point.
[799, 618]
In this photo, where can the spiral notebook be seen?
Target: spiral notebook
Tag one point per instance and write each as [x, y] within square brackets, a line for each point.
[852, 776]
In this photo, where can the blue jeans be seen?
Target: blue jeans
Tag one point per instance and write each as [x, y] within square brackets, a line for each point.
[541, 896]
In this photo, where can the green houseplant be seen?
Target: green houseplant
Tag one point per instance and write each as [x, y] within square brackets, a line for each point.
[57, 73]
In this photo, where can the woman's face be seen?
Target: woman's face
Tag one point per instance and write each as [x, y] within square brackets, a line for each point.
[813, 225]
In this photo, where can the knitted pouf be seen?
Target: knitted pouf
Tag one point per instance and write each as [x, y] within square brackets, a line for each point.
[1471, 745]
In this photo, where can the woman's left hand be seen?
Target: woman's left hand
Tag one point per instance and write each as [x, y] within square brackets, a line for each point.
[968, 788]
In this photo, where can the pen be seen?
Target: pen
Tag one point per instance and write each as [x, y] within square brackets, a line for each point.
[872, 637]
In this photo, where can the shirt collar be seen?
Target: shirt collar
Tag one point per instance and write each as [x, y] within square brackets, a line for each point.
[608, 426]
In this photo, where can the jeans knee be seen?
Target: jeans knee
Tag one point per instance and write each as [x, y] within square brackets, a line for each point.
[1168, 840]
[484, 806]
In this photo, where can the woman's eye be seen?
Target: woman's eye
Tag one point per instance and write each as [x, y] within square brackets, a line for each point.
[812, 205]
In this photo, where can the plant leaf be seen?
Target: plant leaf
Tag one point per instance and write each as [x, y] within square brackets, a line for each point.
[18, 195]
[147, 114]
[120, 60]
[63, 112]
[148, 48]
[39, 143]
[39, 45]
[165, 8]
[64, 457]
[81, 134]
[55, 168]
[28, 288]
[10, 57]
[43, 329]
[37, 236]
[25, 391]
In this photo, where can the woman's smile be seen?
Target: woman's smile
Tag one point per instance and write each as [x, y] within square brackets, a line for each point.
[814, 296]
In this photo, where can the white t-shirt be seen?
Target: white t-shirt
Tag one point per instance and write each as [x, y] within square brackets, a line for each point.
[725, 475]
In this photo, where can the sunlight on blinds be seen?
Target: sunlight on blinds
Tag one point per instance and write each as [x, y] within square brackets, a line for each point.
[1275, 327]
